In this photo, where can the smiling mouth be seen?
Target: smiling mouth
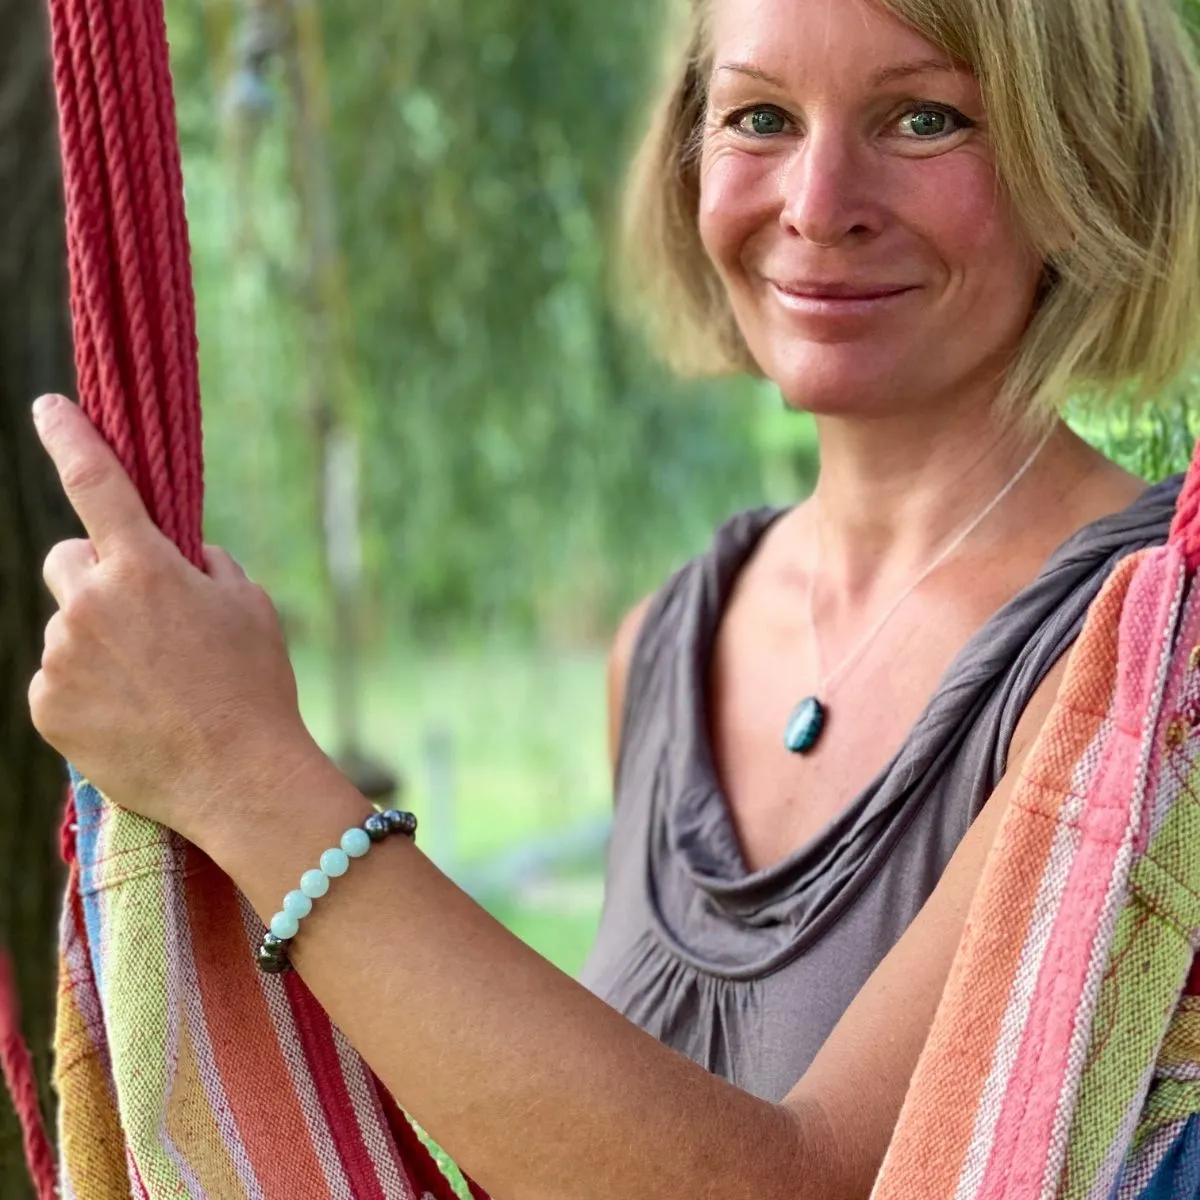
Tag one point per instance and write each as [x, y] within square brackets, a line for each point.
[837, 294]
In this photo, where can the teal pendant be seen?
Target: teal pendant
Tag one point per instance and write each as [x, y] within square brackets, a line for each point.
[804, 726]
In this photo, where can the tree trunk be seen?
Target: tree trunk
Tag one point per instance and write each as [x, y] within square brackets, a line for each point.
[35, 356]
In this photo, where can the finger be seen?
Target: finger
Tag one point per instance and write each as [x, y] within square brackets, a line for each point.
[54, 639]
[65, 567]
[222, 566]
[94, 481]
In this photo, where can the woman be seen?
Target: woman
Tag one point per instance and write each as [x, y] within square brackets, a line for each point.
[922, 221]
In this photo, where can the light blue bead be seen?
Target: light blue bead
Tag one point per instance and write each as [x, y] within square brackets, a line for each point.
[355, 842]
[314, 884]
[297, 904]
[335, 862]
[285, 926]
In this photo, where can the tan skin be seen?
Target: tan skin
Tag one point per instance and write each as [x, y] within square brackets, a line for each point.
[538, 1088]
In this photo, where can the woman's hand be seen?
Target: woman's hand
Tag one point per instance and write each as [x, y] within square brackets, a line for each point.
[166, 687]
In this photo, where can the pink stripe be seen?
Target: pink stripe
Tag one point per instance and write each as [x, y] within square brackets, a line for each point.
[1033, 1096]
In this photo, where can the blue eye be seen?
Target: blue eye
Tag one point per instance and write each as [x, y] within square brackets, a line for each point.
[929, 124]
[759, 122]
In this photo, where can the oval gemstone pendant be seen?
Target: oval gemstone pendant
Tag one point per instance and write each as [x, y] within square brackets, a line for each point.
[804, 726]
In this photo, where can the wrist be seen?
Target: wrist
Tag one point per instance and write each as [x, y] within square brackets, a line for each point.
[273, 809]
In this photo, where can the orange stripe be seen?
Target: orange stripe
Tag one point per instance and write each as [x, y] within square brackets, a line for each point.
[937, 1122]
[245, 1043]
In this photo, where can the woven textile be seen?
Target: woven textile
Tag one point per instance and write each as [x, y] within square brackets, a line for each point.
[1065, 1057]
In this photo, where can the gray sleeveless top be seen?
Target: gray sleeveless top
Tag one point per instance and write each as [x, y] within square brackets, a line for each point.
[748, 973]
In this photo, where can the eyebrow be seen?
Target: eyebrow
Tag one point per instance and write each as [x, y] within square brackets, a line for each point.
[919, 66]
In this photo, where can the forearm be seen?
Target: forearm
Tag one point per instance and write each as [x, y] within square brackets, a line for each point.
[537, 1088]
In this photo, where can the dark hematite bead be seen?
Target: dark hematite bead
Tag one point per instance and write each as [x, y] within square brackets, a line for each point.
[377, 827]
[401, 822]
[275, 944]
[270, 962]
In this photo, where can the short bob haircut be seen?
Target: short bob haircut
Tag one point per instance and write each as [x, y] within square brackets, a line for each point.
[1094, 112]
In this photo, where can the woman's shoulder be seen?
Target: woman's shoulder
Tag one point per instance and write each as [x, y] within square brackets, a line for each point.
[682, 608]
[704, 579]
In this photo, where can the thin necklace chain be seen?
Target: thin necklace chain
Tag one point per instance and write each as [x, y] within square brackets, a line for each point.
[825, 686]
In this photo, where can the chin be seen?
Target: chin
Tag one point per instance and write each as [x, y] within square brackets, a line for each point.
[850, 381]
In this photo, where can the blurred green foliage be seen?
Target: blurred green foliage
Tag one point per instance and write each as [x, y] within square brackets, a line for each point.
[527, 467]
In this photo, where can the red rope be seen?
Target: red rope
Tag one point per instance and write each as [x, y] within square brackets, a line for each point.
[133, 306]
[17, 1069]
[131, 292]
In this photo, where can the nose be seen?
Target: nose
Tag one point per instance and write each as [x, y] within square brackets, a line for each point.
[828, 192]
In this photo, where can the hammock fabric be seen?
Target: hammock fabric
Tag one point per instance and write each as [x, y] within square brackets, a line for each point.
[181, 1070]
[1063, 1061]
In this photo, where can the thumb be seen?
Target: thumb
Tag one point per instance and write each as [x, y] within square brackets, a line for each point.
[92, 477]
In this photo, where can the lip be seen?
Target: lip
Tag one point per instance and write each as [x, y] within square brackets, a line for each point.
[836, 294]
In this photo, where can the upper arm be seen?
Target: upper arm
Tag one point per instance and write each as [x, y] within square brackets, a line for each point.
[856, 1085]
[619, 658]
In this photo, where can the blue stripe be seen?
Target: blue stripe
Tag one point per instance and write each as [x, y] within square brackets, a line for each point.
[88, 809]
[1178, 1174]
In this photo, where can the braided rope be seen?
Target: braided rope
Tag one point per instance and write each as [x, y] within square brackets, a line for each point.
[131, 293]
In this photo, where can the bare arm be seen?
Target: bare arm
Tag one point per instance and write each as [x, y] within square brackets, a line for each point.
[619, 658]
[538, 1088]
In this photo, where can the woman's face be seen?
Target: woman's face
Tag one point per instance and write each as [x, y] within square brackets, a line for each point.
[849, 202]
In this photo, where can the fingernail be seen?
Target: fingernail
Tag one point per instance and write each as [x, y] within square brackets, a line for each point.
[45, 405]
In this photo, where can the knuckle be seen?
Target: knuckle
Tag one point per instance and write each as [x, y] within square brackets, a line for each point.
[54, 642]
[56, 556]
[79, 606]
[261, 603]
[139, 570]
[82, 473]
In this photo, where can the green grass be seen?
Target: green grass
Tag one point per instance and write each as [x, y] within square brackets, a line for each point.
[529, 759]
[528, 733]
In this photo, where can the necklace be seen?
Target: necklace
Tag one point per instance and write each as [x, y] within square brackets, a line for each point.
[809, 717]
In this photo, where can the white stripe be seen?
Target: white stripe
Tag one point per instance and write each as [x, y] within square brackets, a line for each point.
[370, 1120]
[1183, 614]
[173, 910]
[1081, 1033]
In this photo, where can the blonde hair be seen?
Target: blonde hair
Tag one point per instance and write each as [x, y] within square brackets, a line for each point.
[1094, 112]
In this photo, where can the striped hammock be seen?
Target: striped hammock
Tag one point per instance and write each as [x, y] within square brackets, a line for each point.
[1063, 1061]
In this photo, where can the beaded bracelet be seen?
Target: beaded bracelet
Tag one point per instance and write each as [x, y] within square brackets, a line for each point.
[272, 955]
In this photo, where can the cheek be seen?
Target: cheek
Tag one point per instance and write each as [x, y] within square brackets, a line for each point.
[957, 209]
[736, 196]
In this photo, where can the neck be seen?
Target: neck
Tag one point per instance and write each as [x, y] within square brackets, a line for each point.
[893, 492]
